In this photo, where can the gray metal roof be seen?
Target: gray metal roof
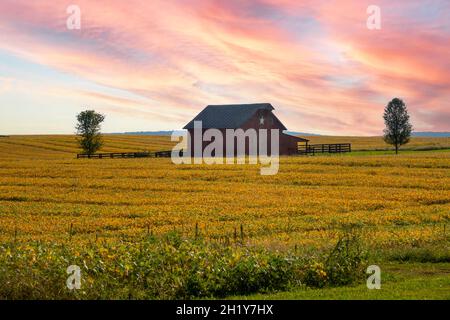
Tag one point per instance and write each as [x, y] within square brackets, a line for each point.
[229, 116]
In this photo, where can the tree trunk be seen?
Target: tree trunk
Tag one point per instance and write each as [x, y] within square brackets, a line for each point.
[396, 149]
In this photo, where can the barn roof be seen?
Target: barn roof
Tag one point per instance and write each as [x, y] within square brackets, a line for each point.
[227, 116]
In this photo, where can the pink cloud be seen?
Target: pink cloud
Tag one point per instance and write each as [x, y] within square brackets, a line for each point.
[314, 60]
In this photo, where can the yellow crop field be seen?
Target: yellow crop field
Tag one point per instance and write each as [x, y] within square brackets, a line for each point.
[45, 191]
[105, 214]
[377, 143]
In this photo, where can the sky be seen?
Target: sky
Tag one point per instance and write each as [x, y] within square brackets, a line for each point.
[153, 65]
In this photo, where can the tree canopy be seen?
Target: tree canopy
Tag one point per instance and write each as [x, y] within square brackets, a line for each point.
[396, 118]
[88, 129]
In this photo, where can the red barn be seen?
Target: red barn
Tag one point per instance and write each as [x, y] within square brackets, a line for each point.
[244, 116]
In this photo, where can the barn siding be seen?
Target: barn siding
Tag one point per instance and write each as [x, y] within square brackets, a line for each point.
[288, 143]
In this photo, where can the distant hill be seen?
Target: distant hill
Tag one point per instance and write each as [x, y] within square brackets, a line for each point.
[431, 134]
[294, 133]
[182, 132]
[153, 133]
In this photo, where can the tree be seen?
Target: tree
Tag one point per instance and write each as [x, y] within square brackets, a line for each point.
[398, 129]
[88, 129]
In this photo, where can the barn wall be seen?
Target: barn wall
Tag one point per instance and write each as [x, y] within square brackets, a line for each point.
[288, 144]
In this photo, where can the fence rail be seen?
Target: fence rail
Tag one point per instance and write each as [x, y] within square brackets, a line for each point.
[303, 149]
[146, 154]
[325, 148]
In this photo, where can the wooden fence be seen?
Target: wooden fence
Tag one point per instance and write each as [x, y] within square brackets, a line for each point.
[146, 154]
[302, 150]
[324, 148]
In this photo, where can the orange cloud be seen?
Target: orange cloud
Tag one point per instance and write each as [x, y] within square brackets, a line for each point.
[314, 60]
